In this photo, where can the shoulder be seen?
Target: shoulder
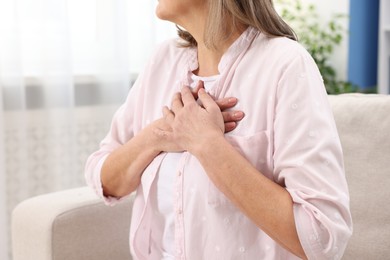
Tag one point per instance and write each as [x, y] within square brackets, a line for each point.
[281, 49]
[279, 55]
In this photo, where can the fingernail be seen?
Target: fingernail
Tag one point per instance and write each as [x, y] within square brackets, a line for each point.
[238, 114]
[202, 90]
[232, 100]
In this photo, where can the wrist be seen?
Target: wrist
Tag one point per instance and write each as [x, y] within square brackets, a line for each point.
[207, 145]
[149, 142]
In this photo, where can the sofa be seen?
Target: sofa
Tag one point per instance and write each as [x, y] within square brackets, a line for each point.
[76, 225]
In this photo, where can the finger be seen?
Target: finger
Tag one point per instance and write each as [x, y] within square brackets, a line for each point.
[226, 103]
[232, 116]
[176, 103]
[207, 101]
[186, 96]
[168, 114]
[230, 126]
[196, 89]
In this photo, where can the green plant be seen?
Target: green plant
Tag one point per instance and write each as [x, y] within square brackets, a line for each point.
[319, 38]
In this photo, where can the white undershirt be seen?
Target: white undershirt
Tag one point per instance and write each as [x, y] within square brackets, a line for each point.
[163, 224]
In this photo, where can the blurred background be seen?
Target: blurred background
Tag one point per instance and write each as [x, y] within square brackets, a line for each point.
[67, 65]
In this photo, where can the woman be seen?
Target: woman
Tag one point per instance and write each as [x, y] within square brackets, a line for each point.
[212, 183]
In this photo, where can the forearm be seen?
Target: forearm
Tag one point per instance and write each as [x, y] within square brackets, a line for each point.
[266, 203]
[122, 170]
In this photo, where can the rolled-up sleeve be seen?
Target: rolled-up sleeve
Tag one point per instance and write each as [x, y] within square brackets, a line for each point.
[308, 160]
[120, 132]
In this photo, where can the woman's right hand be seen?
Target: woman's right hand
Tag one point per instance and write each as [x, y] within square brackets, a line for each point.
[159, 128]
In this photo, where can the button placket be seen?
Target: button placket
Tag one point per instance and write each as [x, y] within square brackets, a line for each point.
[178, 206]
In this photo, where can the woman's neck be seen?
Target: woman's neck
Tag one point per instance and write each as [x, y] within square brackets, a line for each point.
[208, 61]
[209, 58]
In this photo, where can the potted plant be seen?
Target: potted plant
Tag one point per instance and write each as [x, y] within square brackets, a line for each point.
[318, 37]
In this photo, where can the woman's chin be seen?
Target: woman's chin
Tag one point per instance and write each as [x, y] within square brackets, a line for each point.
[161, 14]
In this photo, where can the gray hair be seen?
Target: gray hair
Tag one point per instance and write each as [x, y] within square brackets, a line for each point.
[226, 16]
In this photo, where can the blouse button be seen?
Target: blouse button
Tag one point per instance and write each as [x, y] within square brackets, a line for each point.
[312, 134]
[314, 237]
[242, 249]
[327, 162]
[294, 106]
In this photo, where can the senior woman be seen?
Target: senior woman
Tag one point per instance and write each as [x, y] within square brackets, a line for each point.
[211, 182]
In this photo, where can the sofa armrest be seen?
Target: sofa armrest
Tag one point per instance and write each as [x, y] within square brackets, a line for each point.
[72, 224]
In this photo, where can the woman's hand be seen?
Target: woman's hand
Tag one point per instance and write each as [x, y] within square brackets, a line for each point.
[192, 124]
[162, 131]
[230, 117]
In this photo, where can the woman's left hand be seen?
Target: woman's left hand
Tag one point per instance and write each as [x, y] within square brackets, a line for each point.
[193, 124]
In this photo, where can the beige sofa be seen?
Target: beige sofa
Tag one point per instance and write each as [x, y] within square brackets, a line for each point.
[75, 225]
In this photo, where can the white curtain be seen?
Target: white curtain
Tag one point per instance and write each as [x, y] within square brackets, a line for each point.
[3, 215]
[65, 66]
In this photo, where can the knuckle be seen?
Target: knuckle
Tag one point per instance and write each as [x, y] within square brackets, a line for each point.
[226, 116]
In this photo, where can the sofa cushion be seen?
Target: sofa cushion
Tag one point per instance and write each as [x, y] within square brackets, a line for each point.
[363, 122]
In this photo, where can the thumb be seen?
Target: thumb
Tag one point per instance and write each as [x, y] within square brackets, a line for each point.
[195, 91]
[207, 101]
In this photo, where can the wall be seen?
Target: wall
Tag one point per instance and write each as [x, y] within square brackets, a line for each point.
[340, 55]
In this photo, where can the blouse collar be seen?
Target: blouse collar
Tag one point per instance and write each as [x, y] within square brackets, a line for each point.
[240, 45]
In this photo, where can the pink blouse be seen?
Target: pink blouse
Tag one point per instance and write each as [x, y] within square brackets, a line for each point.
[288, 134]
